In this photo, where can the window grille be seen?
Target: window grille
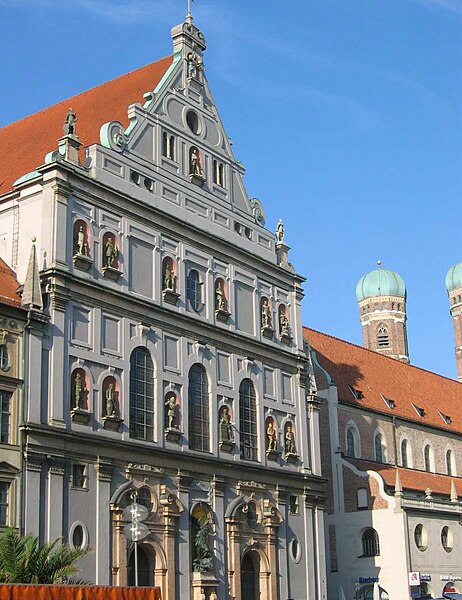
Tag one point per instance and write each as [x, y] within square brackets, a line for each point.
[248, 421]
[383, 340]
[5, 417]
[199, 409]
[193, 289]
[141, 395]
[370, 540]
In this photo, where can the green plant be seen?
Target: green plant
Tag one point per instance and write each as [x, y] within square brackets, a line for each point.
[24, 560]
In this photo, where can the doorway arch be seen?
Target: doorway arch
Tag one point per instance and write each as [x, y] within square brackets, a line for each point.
[145, 568]
[250, 576]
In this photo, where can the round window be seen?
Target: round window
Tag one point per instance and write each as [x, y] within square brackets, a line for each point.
[421, 537]
[78, 536]
[295, 550]
[192, 119]
[447, 539]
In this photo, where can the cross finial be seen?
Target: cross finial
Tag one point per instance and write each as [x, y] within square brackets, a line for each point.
[189, 15]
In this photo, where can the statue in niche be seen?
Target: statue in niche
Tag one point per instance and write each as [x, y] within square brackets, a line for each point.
[171, 412]
[69, 125]
[81, 245]
[169, 277]
[289, 440]
[111, 252]
[280, 231]
[194, 65]
[271, 440]
[203, 563]
[284, 324]
[265, 314]
[195, 163]
[78, 390]
[110, 401]
[220, 302]
[225, 427]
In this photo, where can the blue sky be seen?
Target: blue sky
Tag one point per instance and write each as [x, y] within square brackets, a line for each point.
[346, 114]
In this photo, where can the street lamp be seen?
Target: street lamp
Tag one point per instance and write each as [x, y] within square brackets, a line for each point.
[136, 530]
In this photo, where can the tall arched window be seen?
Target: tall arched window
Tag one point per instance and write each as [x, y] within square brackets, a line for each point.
[450, 469]
[427, 458]
[141, 395]
[370, 541]
[379, 448]
[350, 442]
[199, 409]
[193, 289]
[404, 454]
[383, 340]
[248, 421]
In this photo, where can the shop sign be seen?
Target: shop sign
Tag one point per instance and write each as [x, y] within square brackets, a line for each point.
[425, 577]
[450, 578]
[368, 580]
[414, 578]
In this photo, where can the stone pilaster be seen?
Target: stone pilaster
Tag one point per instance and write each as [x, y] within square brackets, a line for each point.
[103, 518]
[32, 480]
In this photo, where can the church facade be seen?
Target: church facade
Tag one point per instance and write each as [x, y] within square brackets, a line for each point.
[167, 362]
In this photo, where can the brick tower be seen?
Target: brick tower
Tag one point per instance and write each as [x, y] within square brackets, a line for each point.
[454, 287]
[382, 311]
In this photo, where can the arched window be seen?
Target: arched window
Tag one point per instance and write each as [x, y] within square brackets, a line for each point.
[450, 463]
[350, 442]
[370, 541]
[428, 458]
[199, 417]
[248, 421]
[379, 448]
[404, 454]
[141, 395]
[145, 569]
[383, 340]
[193, 289]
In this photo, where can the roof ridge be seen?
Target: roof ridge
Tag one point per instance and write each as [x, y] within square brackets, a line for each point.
[99, 85]
[381, 355]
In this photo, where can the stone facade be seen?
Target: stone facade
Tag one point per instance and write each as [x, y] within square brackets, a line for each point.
[171, 346]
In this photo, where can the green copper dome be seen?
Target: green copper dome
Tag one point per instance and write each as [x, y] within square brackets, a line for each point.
[454, 277]
[380, 282]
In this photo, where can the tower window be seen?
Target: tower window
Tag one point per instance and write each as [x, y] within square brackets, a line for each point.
[4, 489]
[79, 476]
[404, 454]
[199, 409]
[141, 395]
[193, 289]
[379, 448]
[5, 417]
[218, 173]
[383, 340]
[370, 542]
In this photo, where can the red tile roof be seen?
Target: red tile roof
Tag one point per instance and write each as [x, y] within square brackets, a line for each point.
[410, 478]
[24, 143]
[376, 375]
[8, 286]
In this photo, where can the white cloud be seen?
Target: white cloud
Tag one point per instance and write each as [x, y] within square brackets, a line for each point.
[454, 6]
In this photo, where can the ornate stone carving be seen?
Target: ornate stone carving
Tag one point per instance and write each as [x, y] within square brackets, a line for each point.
[280, 232]
[221, 303]
[271, 440]
[112, 136]
[172, 430]
[266, 319]
[69, 125]
[284, 325]
[290, 448]
[195, 66]
[225, 428]
[79, 412]
[81, 258]
[196, 174]
[169, 292]
[258, 211]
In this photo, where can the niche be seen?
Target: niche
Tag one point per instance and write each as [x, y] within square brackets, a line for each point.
[111, 404]
[81, 243]
[79, 397]
[111, 256]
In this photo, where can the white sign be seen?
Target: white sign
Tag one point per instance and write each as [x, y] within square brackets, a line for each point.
[414, 578]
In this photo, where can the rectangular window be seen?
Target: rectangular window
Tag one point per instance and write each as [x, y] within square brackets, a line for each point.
[293, 505]
[5, 417]
[4, 488]
[168, 146]
[79, 476]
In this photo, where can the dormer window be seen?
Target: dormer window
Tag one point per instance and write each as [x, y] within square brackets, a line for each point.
[219, 173]
[419, 410]
[446, 418]
[168, 145]
[389, 402]
[356, 393]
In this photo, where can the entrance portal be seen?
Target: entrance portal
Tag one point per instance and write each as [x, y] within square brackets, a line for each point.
[250, 576]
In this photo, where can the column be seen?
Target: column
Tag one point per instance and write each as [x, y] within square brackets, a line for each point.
[103, 522]
[314, 404]
[31, 500]
[55, 485]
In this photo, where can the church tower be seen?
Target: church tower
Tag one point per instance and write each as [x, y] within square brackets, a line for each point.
[454, 288]
[382, 311]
